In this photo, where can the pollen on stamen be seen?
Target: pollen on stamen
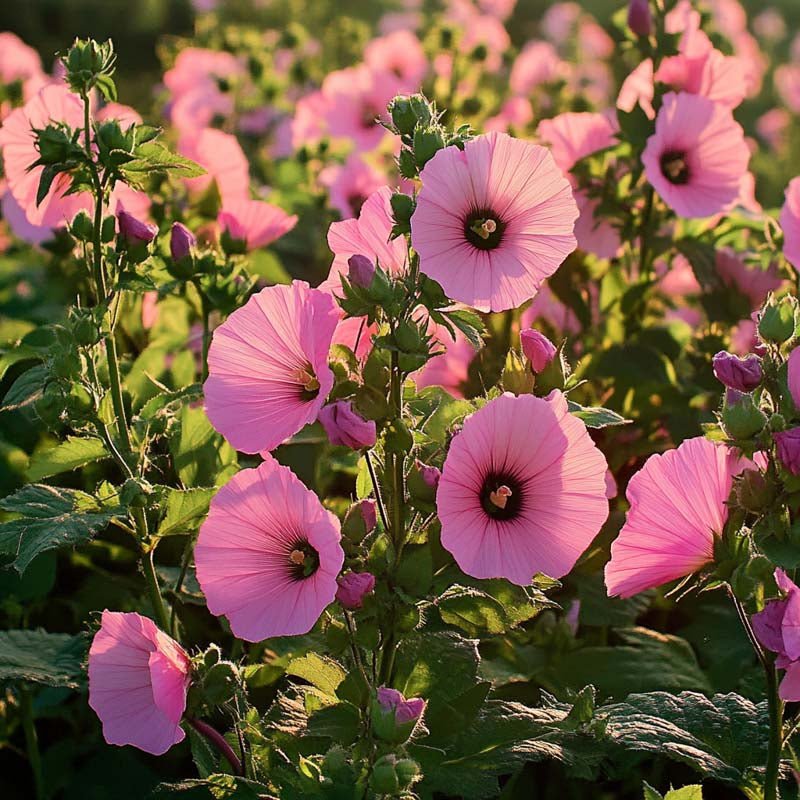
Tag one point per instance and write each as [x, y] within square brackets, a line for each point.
[500, 496]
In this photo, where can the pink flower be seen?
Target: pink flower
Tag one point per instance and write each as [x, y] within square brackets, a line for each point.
[778, 625]
[52, 104]
[548, 308]
[430, 475]
[538, 349]
[353, 588]
[638, 89]
[516, 112]
[493, 221]
[787, 84]
[221, 156]
[677, 509]
[522, 490]
[138, 678]
[793, 375]
[124, 115]
[790, 222]
[449, 369]
[697, 156]
[350, 184]
[773, 127]
[181, 241]
[742, 374]
[134, 230]
[254, 222]
[366, 236]
[788, 445]
[360, 271]
[748, 279]
[18, 61]
[404, 710]
[268, 554]
[537, 63]
[268, 366]
[399, 53]
[344, 426]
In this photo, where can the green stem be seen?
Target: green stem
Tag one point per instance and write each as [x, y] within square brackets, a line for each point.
[187, 557]
[32, 742]
[206, 335]
[376, 488]
[149, 569]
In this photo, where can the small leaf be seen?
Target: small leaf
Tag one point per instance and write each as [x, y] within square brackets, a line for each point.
[184, 510]
[68, 455]
[470, 324]
[26, 389]
[596, 417]
[320, 671]
[472, 610]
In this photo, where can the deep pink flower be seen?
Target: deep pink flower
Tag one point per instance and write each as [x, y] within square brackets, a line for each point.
[268, 366]
[522, 490]
[366, 236]
[742, 374]
[790, 223]
[793, 375]
[640, 18]
[493, 221]
[399, 53]
[537, 63]
[353, 588]
[404, 710]
[181, 241]
[224, 161]
[133, 230]
[350, 184]
[788, 444]
[254, 222]
[538, 349]
[697, 156]
[344, 426]
[677, 509]
[430, 475]
[268, 554]
[360, 271]
[138, 678]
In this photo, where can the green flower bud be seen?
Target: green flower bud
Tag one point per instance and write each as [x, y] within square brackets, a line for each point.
[403, 116]
[517, 377]
[427, 143]
[384, 778]
[743, 420]
[777, 323]
[406, 164]
[82, 227]
[402, 208]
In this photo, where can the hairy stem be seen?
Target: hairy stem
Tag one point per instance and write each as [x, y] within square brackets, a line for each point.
[157, 601]
[218, 741]
[32, 742]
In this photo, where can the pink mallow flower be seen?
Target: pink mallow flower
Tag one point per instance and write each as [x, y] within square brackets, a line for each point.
[268, 554]
[394, 718]
[677, 510]
[790, 223]
[697, 157]
[353, 588]
[224, 161]
[350, 184]
[400, 54]
[344, 426]
[268, 366]
[788, 445]
[522, 490]
[742, 374]
[538, 63]
[777, 627]
[254, 222]
[138, 679]
[749, 280]
[538, 349]
[493, 221]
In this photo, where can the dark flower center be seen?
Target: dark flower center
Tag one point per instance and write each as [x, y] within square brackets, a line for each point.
[309, 385]
[355, 201]
[369, 116]
[303, 560]
[501, 495]
[674, 167]
[484, 229]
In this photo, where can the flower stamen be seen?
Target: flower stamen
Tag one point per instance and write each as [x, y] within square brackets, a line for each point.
[500, 496]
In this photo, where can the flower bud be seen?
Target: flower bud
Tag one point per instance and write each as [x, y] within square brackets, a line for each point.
[360, 520]
[788, 444]
[741, 374]
[777, 323]
[393, 717]
[743, 420]
[353, 588]
[538, 349]
[640, 19]
[181, 242]
[403, 116]
[345, 427]
[793, 376]
[423, 481]
[391, 775]
[427, 143]
[133, 231]
[516, 377]
[360, 271]
[753, 492]
[430, 475]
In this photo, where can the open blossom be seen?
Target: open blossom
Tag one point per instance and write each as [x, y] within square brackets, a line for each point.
[350, 184]
[398, 53]
[697, 156]
[790, 223]
[138, 679]
[254, 222]
[449, 369]
[677, 509]
[537, 63]
[268, 554]
[522, 490]
[749, 279]
[223, 160]
[268, 366]
[493, 221]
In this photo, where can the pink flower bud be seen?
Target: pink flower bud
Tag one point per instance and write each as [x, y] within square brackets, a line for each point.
[794, 376]
[353, 588]
[788, 443]
[360, 271]
[181, 241]
[405, 711]
[430, 475]
[369, 513]
[133, 230]
[538, 349]
[345, 427]
[742, 374]
[640, 19]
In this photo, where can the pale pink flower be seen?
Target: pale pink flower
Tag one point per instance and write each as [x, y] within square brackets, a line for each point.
[125, 115]
[268, 366]
[749, 279]
[268, 554]
[502, 9]
[221, 155]
[546, 307]
[537, 63]
[594, 44]
[790, 223]
[638, 89]
[677, 278]
[697, 157]
[255, 222]
[308, 123]
[522, 490]
[677, 509]
[773, 126]
[493, 221]
[21, 227]
[487, 31]
[366, 236]
[516, 112]
[450, 369]
[19, 61]
[138, 678]
[400, 54]
[350, 184]
[560, 20]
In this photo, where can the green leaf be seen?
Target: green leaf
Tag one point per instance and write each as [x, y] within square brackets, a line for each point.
[26, 389]
[68, 455]
[183, 510]
[36, 656]
[322, 672]
[152, 157]
[201, 456]
[694, 792]
[472, 610]
[415, 571]
[596, 417]
[703, 259]
[724, 737]
[470, 324]
[49, 517]
[339, 722]
[203, 754]
[20, 353]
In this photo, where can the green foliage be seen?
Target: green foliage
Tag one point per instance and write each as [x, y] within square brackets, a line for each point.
[48, 659]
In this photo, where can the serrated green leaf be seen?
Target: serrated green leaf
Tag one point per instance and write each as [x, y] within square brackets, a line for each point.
[472, 610]
[183, 510]
[322, 672]
[26, 389]
[596, 417]
[20, 353]
[470, 324]
[36, 656]
[68, 455]
[49, 517]
[152, 157]
[201, 456]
